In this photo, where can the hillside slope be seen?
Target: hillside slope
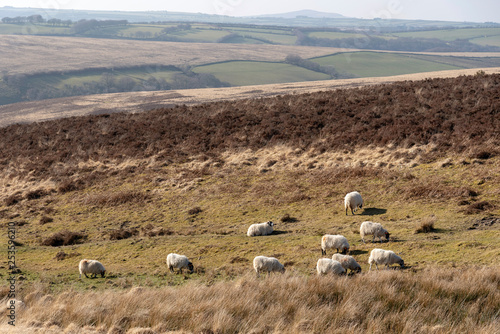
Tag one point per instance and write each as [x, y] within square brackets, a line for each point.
[127, 189]
[36, 111]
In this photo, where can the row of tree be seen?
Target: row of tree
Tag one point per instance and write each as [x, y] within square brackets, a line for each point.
[313, 66]
[36, 19]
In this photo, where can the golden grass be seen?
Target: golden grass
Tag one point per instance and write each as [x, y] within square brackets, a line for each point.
[18, 53]
[431, 300]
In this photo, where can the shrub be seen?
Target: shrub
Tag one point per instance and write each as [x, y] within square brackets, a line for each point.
[122, 233]
[46, 220]
[478, 207]
[13, 199]
[36, 194]
[64, 238]
[151, 231]
[288, 219]
[194, 211]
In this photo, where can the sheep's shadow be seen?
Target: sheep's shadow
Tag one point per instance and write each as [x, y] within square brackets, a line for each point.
[373, 212]
[357, 252]
[279, 232]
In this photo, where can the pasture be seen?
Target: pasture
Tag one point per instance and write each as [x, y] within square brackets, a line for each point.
[127, 189]
[241, 73]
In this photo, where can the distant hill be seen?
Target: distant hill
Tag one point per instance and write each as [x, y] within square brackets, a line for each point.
[305, 13]
[305, 18]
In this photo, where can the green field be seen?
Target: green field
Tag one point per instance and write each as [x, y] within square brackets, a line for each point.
[241, 73]
[335, 34]
[80, 78]
[374, 64]
[32, 29]
[453, 34]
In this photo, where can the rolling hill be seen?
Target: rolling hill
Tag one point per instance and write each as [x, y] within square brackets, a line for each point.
[129, 188]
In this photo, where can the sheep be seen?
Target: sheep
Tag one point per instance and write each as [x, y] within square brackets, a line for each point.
[325, 266]
[260, 229]
[264, 263]
[347, 262]
[352, 201]
[375, 229]
[334, 241]
[179, 261]
[387, 257]
[92, 267]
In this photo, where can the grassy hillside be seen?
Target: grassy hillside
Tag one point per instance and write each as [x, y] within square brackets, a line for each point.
[241, 73]
[128, 189]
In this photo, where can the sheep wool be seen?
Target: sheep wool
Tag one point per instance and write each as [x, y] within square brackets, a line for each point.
[353, 201]
[375, 229]
[92, 267]
[387, 257]
[347, 262]
[269, 264]
[260, 229]
[326, 266]
[179, 262]
[338, 242]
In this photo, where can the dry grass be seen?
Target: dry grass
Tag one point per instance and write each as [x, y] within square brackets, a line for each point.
[81, 53]
[387, 301]
[144, 175]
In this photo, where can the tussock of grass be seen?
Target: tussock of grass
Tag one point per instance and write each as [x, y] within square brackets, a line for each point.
[426, 225]
[453, 300]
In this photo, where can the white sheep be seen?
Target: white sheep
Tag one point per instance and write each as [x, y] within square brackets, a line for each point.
[92, 267]
[353, 201]
[347, 262]
[269, 264]
[387, 257]
[260, 229]
[375, 229]
[338, 242]
[178, 261]
[325, 266]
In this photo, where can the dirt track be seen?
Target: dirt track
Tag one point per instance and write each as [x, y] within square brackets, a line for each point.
[26, 112]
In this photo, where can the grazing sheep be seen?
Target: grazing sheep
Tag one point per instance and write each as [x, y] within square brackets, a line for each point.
[325, 266]
[179, 261]
[260, 229]
[338, 242]
[92, 267]
[375, 229]
[387, 257]
[264, 263]
[353, 201]
[347, 262]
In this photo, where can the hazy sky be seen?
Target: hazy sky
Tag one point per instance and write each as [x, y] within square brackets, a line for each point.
[449, 10]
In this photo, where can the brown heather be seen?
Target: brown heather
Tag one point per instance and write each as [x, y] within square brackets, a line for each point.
[459, 115]
[388, 301]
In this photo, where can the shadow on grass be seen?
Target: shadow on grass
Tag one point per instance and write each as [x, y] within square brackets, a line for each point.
[280, 232]
[373, 212]
[357, 252]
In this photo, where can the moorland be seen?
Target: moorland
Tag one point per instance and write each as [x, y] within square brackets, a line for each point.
[129, 188]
